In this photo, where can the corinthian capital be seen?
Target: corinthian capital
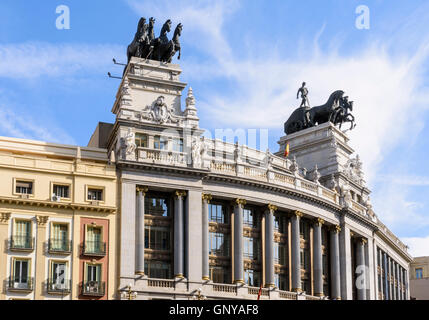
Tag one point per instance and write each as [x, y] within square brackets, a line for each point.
[207, 197]
[272, 208]
[241, 202]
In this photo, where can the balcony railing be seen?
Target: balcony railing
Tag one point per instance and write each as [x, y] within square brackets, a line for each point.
[94, 248]
[25, 285]
[60, 246]
[21, 243]
[59, 288]
[93, 288]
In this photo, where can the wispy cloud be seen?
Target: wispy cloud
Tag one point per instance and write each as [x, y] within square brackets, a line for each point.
[419, 247]
[34, 59]
[19, 125]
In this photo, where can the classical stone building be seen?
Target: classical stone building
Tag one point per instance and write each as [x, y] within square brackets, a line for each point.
[57, 222]
[220, 219]
[419, 278]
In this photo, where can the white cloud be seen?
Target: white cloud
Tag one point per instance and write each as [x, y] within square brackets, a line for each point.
[418, 247]
[34, 59]
[19, 125]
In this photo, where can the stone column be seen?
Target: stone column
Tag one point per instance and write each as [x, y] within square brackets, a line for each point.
[361, 265]
[346, 265]
[178, 234]
[269, 245]
[407, 297]
[238, 241]
[296, 246]
[380, 264]
[395, 280]
[335, 264]
[140, 230]
[318, 259]
[385, 278]
[398, 283]
[389, 262]
[205, 236]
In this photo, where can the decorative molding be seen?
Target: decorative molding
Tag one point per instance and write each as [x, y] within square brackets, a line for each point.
[336, 228]
[4, 217]
[272, 208]
[207, 197]
[319, 222]
[240, 202]
[298, 214]
[42, 220]
[180, 193]
[142, 189]
[363, 241]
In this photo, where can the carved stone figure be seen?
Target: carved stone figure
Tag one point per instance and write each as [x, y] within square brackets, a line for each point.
[346, 196]
[197, 151]
[160, 112]
[237, 153]
[331, 184]
[130, 143]
[294, 166]
[315, 175]
[353, 170]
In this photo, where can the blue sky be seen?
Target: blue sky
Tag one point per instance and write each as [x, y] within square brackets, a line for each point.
[245, 61]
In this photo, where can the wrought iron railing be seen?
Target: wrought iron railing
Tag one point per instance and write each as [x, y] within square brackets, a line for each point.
[21, 243]
[94, 248]
[62, 287]
[15, 284]
[93, 288]
[59, 246]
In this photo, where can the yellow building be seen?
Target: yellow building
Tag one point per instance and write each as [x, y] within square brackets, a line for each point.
[57, 221]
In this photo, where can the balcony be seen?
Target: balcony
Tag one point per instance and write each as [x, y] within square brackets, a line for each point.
[60, 246]
[58, 288]
[94, 248]
[21, 285]
[93, 288]
[21, 243]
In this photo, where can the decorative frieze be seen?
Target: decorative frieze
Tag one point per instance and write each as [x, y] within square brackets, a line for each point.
[42, 220]
[4, 217]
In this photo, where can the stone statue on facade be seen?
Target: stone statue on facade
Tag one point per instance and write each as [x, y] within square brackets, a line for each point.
[128, 144]
[197, 151]
[304, 96]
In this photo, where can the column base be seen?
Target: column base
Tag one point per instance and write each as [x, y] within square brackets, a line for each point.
[238, 281]
[319, 295]
[140, 273]
[270, 285]
[297, 290]
[179, 276]
[206, 278]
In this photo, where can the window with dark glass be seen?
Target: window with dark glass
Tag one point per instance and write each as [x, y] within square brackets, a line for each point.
[220, 274]
[419, 273]
[249, 218]
[62, 191]
[281, 281]
[157, 238]
[141, 140]
[252, 277]
[219, 244]
[280, 224]
[21, 274]
[24, 187]
[280, 253]
[251, 248]
[157, 206]
[158, 269]
[217, 213]
[95, 194]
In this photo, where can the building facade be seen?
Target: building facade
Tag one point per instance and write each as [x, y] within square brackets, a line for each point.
[152, 206]
[57, 221]
[219, 219]
[419, 278]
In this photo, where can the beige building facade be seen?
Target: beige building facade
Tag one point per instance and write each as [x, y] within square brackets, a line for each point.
[57, 221]
[419, 278]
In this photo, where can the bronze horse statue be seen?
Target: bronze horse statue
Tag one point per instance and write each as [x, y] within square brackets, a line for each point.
[305, 117]
[135, 48]
[342, 114]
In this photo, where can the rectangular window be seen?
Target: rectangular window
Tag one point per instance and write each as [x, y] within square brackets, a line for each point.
[21, 273]
[93, 273]
[158, 269]
[160, 143]
[178, 145]
[59, 240]
[94, 240]
[141, 140]
[219, 244]
[304, 229]
[280, 253]
[220, 274]
[281, 281]
[95, 194]
[22, 238]
[157, 238]
[58, 279]
[24, 187]
[249, 218]
[217, 213]
[252, 278]
[61, 191]
[419, 273]
[280, 224]
[157, 206]
[251, 248]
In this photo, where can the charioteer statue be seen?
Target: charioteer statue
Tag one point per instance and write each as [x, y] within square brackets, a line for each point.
[146, 46]
[335, 110]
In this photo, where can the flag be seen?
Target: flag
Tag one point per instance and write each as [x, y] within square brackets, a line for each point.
[260, 292]
[287, 150]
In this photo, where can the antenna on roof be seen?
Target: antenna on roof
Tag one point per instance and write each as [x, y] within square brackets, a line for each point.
[113, 77]
[118, 63]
